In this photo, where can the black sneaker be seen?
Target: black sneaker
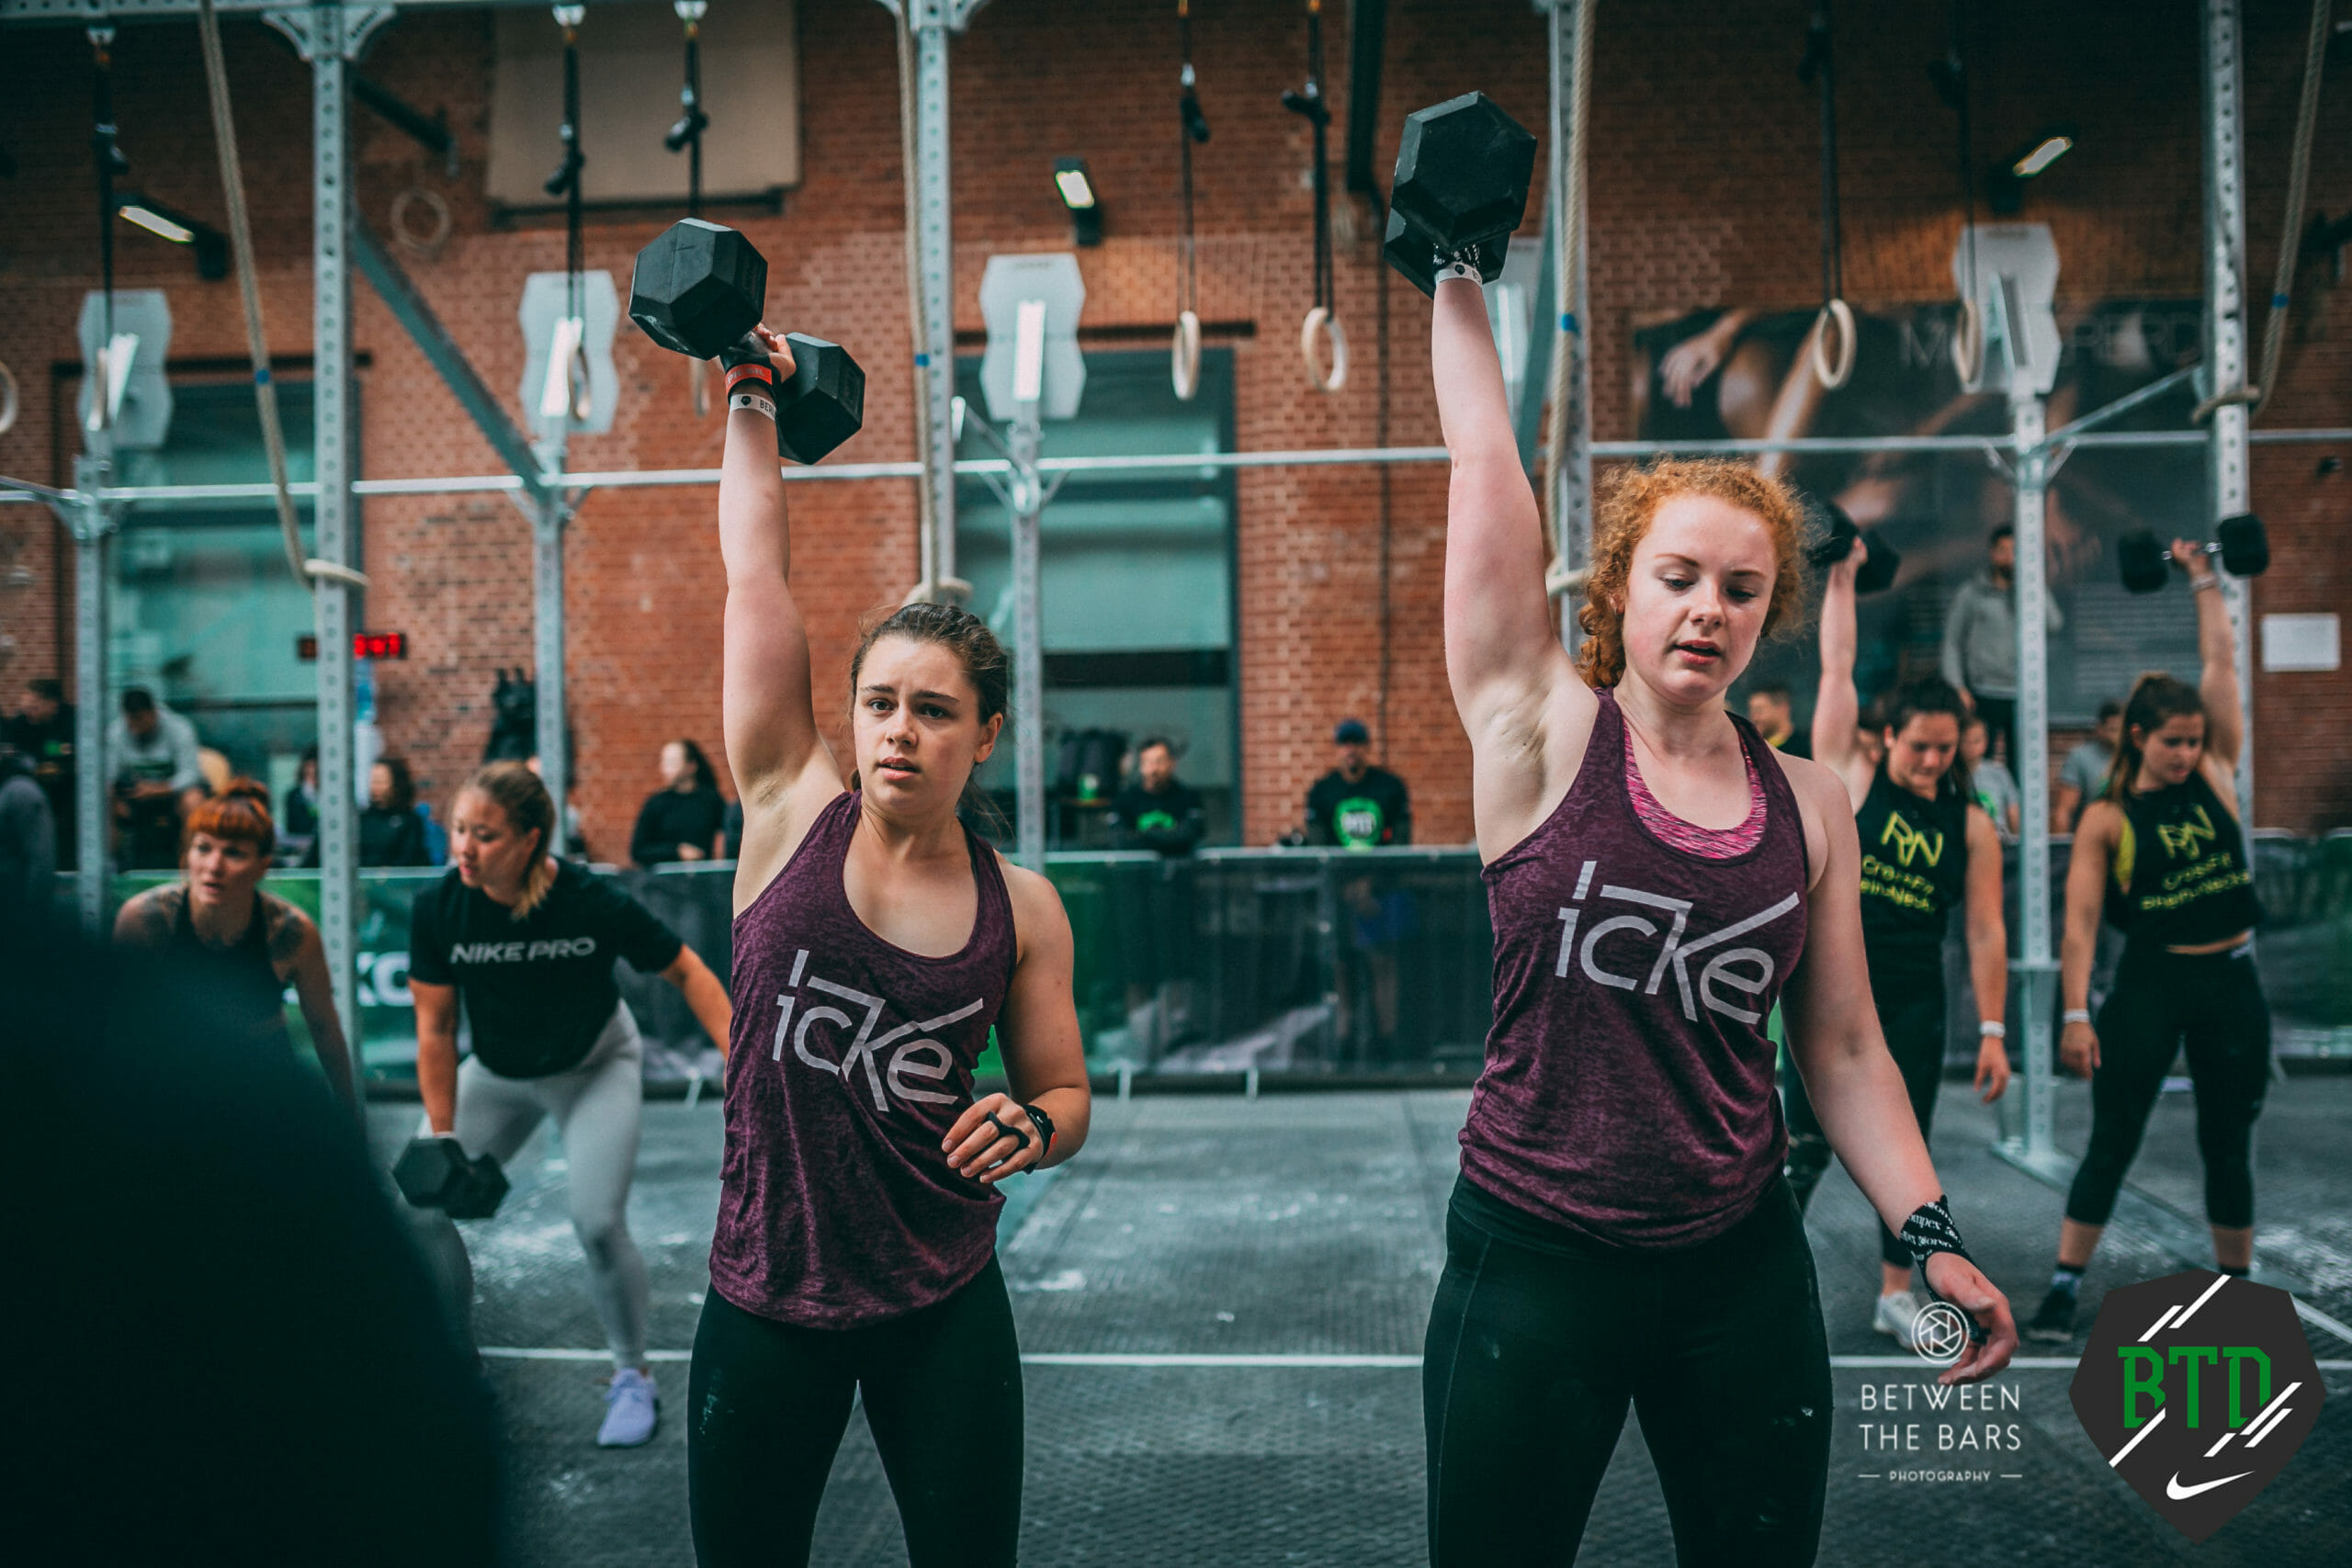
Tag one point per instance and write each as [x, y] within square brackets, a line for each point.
[2053, 1323]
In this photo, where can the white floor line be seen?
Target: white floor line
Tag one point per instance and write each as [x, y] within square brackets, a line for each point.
[1121, 1358]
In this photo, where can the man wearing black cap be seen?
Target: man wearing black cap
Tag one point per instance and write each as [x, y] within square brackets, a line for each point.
[1357, 806]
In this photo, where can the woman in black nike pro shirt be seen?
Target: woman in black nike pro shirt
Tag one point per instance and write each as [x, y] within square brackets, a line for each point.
[529, 940]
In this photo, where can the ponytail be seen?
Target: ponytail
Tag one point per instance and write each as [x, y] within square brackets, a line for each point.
[523, 796]
[2157, 699]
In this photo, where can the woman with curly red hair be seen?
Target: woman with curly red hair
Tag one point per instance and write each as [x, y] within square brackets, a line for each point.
[1622, 1233]
[255, 944]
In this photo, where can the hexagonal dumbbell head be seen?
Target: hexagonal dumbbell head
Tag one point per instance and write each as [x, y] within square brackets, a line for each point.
[698, 288]
[1463, 173]
[824, 402]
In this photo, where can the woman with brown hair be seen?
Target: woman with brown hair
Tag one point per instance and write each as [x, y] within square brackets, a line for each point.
[1621, 1233]
[878, 941]
[255, 944]
[2164, 855]
[530, 941]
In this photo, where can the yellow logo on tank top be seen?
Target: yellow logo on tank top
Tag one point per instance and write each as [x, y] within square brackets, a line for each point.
[2186, 839]
[1909, 842]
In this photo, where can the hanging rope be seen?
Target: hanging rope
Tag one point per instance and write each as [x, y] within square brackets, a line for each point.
[241, 240]
[685, 135]
[1322, 321]
[1567, 272]
[1820, 66]
[1184, 354]
[927, 587]
[1968, 333]
[2290, 237]
[572, 340]
[110, 163]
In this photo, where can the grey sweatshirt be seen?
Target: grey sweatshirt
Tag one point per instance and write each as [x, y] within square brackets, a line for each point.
[1980, 653]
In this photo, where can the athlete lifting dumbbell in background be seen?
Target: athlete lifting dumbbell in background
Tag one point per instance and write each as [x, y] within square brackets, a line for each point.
[1926, 846]
[2164, 856]
[529, 942]
[878, 940]
[256, 944]
[1621, 1231]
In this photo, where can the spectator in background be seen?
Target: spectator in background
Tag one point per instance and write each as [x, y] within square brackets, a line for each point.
[391, 832]
[1357, 806]
[300, 829]
[1153, 810]
[1773, 714]
[680, 820]
[2082, 778]
[575, 827]
[27, 840]
[1980, 653]
[158, 777]
[43, 731]
[1990, 779]
[730, 833]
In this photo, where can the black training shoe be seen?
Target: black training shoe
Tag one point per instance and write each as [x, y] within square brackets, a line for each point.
[2053, 1322]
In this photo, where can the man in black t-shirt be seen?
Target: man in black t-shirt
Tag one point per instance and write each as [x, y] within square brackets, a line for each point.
[1357, 806]
[1153, 811]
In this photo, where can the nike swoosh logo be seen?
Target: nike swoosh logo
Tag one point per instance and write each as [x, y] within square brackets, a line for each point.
[2179, 1494]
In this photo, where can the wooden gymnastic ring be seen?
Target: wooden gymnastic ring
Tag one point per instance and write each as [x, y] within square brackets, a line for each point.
[1968, 341]
[1840, 315]
[1184, 357]
[1321, 320]
[7, 400]
[426, 245]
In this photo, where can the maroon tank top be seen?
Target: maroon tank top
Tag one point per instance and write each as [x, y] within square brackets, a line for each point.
[848, 1061]
[1628, 1091]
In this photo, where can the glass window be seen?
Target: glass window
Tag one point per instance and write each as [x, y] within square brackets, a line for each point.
[202, 609]
[1135, 587]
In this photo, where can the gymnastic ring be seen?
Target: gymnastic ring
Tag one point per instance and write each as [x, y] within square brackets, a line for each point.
[1320, 320]
[426, 245]
[7, 400]
[1968, 341]
[1837, 314]
[1559, 581]
[1184, 357]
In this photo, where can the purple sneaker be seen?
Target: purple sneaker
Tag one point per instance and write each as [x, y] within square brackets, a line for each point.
[631, 1411]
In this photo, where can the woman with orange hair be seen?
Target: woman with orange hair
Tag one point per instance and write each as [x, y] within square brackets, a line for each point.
[1659, 877]
[252, 944]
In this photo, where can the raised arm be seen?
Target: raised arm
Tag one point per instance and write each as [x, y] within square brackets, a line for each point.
[770, 719]
[1502, 649]
[2217, 651]
[1835, 705]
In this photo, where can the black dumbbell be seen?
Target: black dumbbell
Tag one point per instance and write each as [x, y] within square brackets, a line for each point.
[1463, 172]
[699, 290]
[2243, 543]
[434, 1173]
[1877, 573]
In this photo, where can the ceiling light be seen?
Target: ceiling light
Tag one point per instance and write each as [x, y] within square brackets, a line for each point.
[156, 222]
[2045, 152]
[1070, 179]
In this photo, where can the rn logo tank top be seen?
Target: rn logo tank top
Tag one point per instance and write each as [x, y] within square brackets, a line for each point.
[1628, 1091]
[849, 1059]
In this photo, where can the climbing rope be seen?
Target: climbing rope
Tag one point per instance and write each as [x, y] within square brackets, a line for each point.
[1820, 66]
[2291, 238]
[307, 569]
[570, 340]
[110, 163]
[685, 135]
[1968, 331]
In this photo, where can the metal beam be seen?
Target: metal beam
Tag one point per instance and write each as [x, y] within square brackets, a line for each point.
[409, 307]
[92, 522]
[932, 21]
[2036, 970]
[86, 13]
[2228, 470]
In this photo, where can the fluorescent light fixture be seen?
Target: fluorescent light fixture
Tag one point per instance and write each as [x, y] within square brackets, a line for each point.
[2045, 152]
[155, 223]
[1070, 179]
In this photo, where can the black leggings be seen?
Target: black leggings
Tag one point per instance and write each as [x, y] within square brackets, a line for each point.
[2161, 1000]
[769, 1402]
[1915, 1036]
[1535, 1351]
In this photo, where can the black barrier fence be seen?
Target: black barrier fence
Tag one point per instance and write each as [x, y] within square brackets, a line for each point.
[1300, 962]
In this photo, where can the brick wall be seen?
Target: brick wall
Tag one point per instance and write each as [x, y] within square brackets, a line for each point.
[1704, 191]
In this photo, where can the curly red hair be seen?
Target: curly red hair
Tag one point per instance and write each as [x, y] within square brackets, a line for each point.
[1626, 503]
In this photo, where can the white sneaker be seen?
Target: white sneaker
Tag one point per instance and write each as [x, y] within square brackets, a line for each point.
[1894, 1316]
[631, 1410]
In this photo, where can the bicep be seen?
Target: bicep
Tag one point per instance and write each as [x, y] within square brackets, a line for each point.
[1037, 1031]
[436, 1008]
[766, 702]
[2087, 867]
[1502, 643]
[1828, 998]
[1984, 870]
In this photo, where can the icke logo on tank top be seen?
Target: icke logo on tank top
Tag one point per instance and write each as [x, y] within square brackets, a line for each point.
[913, 1059]
[1747, 971]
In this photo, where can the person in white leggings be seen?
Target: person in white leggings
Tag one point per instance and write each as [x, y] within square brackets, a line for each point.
[529, 943]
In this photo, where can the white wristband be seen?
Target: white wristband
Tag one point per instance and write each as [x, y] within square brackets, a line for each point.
[744, 398]
[2075, 1015]
[1993, 1031]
